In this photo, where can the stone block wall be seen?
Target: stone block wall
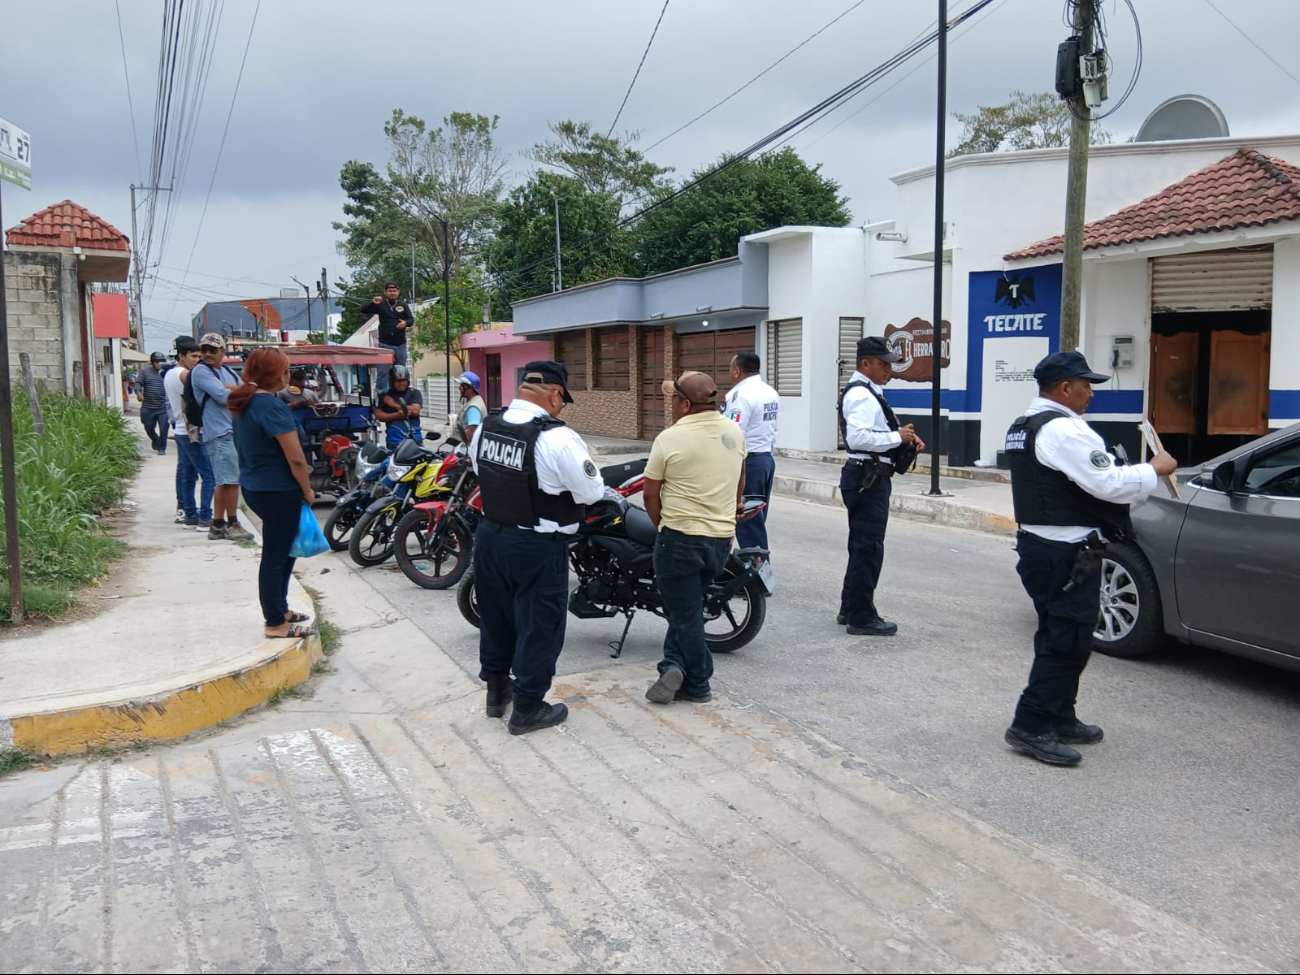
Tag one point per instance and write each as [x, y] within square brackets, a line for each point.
[35, 315]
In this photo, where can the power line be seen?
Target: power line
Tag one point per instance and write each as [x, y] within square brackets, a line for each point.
[1275, 61]
[221, 147]
[724, 101]
[662, 11]
[130, 101]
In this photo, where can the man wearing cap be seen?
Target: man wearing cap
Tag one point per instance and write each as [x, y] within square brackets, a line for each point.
[212, 383]
[472, 408]
[536, 479]
[874, 438]
[395, 318]
[753, 404]
[153, 402]
[694, 484]
[1070, 496]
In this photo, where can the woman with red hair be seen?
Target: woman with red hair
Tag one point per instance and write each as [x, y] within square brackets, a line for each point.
[275, 478]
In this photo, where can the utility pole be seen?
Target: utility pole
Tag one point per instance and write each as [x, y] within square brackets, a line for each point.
[1076, 189]
[411, 297]
[137, 277]
[936, 333]
[559, 268]
[325, 304]
[306, 290]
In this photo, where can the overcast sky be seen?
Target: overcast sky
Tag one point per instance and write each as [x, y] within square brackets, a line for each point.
[323, 75]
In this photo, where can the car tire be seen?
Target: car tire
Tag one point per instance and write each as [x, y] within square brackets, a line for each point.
[1130, 618]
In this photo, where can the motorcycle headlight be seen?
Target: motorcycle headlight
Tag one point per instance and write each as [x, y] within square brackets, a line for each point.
[364, 468]
[398, 471]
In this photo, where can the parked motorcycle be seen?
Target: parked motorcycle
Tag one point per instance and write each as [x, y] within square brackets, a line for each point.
[613, 557]
[418, 473]
[368, 471]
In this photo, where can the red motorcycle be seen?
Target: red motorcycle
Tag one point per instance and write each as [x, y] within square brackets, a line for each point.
[434, 541]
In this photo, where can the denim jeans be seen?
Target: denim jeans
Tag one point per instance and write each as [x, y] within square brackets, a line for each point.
[399, 359]
[685, 565]
[155, 424]
[279, 511]
[760, 470]
[192, 468]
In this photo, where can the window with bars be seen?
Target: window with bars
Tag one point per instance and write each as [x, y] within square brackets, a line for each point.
[570, 350]
[611, 358]
[785, 356]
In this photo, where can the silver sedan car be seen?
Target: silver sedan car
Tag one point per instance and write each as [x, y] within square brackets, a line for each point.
[1220, 567]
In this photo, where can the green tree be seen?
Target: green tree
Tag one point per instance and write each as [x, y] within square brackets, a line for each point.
[1038, 120]
[706, 222]
[602, 164]
[593, 247]
[468, 298]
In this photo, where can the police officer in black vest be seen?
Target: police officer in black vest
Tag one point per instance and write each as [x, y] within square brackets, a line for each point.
[536, 478]
[878, 447]
[1070, 497]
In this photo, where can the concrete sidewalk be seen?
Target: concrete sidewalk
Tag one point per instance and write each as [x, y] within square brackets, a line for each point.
[386, 825]
[974, 498]
[177, 645]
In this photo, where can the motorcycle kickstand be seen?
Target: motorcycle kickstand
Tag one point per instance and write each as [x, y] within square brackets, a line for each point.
[618, 647]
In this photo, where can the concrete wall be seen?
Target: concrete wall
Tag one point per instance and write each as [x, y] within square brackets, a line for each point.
[1284, 363]
[35, 308]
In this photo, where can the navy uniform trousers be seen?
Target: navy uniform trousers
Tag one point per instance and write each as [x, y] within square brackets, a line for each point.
[521, 580]
[1063, 640]
[868, 519]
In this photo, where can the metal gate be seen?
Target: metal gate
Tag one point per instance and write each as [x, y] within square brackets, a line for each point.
[1234, 280]
[851, 329]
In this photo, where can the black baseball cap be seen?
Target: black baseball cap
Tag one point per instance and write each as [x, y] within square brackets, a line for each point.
[875, 346]
[546, 371]
[1066, 365]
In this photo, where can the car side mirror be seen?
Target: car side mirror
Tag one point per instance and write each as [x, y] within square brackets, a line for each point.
[1230, 476]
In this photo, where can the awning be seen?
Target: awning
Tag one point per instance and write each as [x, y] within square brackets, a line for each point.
[336, 355]
[134, 355]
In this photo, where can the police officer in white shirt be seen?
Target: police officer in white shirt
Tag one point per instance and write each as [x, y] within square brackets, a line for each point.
[1070, 497]
[536, 478]
[753, 404]
[875, 439]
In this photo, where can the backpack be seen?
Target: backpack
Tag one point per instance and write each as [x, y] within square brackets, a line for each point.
[189, 398]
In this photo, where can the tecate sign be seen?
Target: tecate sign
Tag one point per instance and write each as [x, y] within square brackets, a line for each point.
[15, 155]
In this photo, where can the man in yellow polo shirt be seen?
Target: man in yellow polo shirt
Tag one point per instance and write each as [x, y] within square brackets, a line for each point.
[694, 483]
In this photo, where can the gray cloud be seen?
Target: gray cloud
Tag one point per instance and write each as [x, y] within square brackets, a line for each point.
[322, 77]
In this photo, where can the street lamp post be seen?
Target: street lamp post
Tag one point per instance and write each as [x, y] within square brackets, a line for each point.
[446, 298]
[559, 268]
[307, 290]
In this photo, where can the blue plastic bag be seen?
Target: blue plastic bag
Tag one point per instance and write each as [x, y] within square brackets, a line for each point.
[310, 540]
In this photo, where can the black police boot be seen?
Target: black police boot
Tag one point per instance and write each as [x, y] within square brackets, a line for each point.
[876, 627]
[1078, 733]
[498, 696]
[532, 715]
[1046, 747]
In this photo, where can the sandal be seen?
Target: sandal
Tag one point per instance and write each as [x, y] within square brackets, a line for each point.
[295, 633]
[297, 618]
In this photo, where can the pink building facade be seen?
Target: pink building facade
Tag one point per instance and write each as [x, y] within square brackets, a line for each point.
[499, 356]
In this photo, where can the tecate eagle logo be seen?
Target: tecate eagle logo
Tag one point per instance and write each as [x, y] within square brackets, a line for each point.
[1014, 291]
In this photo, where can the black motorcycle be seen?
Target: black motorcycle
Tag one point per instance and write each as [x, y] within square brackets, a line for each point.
[369, 467]
[613, 557]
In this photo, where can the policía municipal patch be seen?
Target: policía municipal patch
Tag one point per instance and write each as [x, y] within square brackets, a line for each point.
[589, 468]
[1099, 459]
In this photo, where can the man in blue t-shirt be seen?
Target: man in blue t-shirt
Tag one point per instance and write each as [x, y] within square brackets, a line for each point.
[400, 406]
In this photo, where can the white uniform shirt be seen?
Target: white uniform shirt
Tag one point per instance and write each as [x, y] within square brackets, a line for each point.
[867, 429]
[1077, 451]
[563, 463]
[753, 404]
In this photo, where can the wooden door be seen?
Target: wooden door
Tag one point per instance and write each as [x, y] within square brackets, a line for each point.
[1173, 382]
[711, 352]
[652, 376]
[493, 380]
[1238, 383]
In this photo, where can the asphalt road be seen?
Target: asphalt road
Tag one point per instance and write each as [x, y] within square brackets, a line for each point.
[1189, 804]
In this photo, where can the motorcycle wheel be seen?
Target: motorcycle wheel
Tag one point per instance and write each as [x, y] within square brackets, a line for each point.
[432, 557]
[371, 543]
[338, 526]
[740, 620]
[467, 599]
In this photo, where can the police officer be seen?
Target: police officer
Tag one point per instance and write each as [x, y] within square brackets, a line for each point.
[875, 440]
[754, 404]
[1070, 497]
[536, 477]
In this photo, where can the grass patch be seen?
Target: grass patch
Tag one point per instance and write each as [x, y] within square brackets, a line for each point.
[15, 761]
[331, 635]
[66, 479]
[323, 666]
[246, 543]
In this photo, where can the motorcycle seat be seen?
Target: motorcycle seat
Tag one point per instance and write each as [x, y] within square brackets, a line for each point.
[639, 526]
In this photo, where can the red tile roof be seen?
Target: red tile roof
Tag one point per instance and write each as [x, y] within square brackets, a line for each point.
[69, 225]
[1247, 189]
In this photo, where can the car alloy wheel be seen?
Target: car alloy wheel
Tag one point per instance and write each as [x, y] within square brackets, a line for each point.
[1121, 603]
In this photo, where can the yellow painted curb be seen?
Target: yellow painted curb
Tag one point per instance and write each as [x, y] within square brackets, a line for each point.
[170, 715]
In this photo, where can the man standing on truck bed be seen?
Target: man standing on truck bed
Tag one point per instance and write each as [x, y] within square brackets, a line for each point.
[395, 320]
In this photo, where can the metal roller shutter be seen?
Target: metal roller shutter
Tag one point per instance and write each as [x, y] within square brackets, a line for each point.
[785, 356]
[1233, 280]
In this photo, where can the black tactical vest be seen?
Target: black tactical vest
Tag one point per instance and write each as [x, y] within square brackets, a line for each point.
[507, 475]
[890, 419]
[1042, 496]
